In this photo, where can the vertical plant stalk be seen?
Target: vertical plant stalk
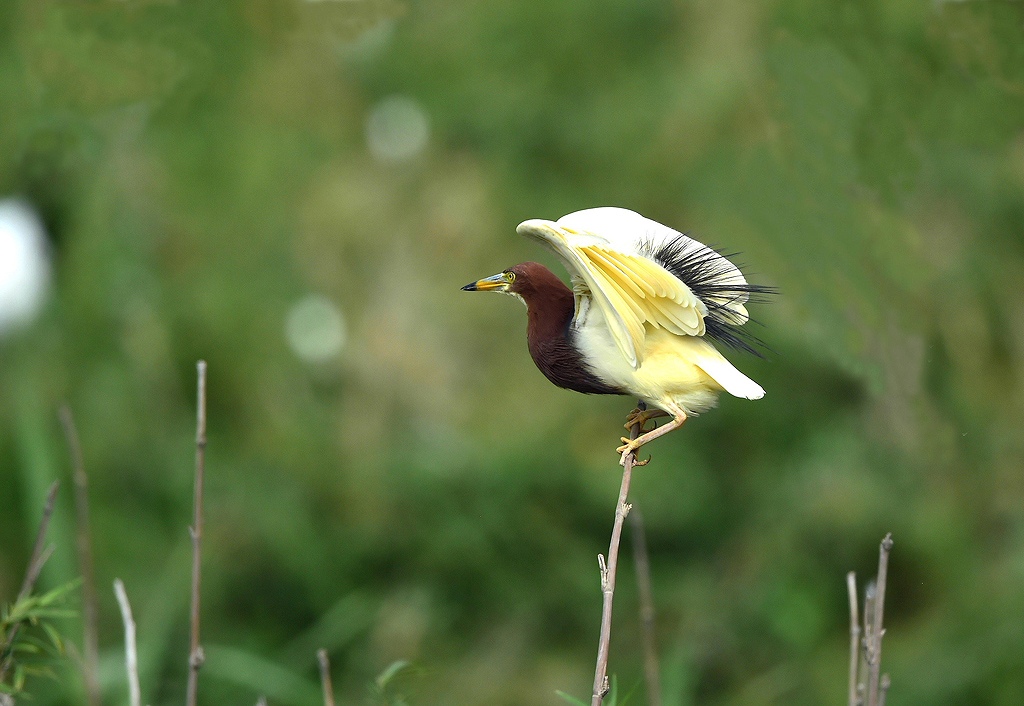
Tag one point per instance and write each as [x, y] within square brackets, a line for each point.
[874, 642]
[643, 583]
[40, 553]
[325, 676]
[883, 690]
[851, 589]
[83, 543]
[608, 570]
[868, 620]
[196, 656]
[131, 655]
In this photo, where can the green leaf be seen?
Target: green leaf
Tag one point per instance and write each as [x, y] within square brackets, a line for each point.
[25, 646]
[55, 639]
[571, 699]
[390, 672]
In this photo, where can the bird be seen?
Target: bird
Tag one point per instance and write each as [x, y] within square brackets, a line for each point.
[646, 307]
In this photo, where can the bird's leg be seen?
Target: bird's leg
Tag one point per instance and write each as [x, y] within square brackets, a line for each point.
[630, 446]
[643, 416]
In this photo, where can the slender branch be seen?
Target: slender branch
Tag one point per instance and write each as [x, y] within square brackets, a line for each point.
[608, 575]
[868, 621]
[40, 553]
[884, 690]
[131, 655]
[325, 676]
[645, 594]
[851, 589]
[877, 631]
[83, 543]
[196, 656]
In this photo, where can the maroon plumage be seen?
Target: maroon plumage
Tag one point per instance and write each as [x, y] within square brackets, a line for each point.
[550, 307]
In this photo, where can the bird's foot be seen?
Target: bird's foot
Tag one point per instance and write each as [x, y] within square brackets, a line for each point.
[642, 416]
[626, 449]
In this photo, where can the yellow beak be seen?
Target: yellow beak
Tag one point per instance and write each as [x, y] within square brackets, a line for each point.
[494, 283]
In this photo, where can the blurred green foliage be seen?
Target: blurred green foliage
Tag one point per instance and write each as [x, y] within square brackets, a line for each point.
[426, 495]
[29, 640]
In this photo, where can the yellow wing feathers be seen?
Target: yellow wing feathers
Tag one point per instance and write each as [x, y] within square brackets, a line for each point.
[606, 250]
[631, 291]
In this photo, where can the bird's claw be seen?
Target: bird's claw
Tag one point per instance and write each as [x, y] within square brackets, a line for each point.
[632, 417]
[626, 449]
[641, 417]
[637, 415]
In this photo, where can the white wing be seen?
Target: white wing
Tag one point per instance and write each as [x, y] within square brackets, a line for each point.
[629, 289]
[629, 232]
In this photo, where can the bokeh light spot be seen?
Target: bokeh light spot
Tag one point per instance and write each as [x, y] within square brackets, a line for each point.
[315, 329]
[24, 264]
[397, 129]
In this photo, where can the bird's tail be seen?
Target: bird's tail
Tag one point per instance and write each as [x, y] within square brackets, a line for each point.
[725, 374]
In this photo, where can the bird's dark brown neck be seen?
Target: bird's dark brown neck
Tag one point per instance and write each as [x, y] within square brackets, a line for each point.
[549, 313]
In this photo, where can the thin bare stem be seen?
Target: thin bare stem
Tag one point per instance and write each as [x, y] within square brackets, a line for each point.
[131, 655]
[196, 656]
[608, 570]
[645, 594]
[884, 690]
[867, 623]
[40, 553]
[851, 589]
[325, 676]
[83, 543]
[877, 631]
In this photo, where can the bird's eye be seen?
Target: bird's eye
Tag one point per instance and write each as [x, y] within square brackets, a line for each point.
[510, 276]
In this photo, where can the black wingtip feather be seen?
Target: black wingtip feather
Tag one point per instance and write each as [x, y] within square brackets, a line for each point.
[703, 271]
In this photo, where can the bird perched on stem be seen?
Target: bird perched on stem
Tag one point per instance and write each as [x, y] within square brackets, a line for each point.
[647, 304]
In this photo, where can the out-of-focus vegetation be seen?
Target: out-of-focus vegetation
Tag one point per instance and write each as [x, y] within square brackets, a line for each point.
[398, 481]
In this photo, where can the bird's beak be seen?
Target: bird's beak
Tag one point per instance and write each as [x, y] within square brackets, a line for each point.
[494, 283]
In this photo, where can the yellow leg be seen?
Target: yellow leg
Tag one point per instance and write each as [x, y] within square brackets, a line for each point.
[631, 446]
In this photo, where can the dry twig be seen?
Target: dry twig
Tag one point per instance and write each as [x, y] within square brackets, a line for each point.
[874, 646]
[325, 676]
[608, 570]
[131, 657]
[643, 583]
[883, 690]
[851, 589]
[39, 553]
[83, 542]
[867, 686]
[196, 657]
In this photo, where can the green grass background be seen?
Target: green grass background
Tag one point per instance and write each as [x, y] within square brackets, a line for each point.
[427, 495]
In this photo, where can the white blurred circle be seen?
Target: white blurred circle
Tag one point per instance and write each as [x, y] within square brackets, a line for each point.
[315, 329]
[24, 264]
[397, 129]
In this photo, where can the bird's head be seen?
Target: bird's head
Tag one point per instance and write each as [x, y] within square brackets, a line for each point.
[523, 281]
